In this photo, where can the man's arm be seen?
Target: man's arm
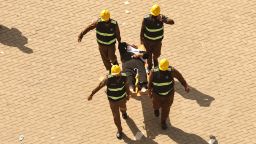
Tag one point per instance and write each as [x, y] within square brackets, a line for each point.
[101, 85]
[118, 37]
[142, 32]
[167, 20]
[150, 84]
[137, 55]
[127, 90]
[178, 75]
[87, 29]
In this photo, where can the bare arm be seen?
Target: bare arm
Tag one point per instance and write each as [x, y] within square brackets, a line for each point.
[87, 29]
[178, 75]
[101, 85]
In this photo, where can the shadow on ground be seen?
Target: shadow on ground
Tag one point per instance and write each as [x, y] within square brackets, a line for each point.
[14, 38]
[152, 128]
[202, 99]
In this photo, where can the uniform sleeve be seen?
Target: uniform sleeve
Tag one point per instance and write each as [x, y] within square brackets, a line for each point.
[178, 75]
[89, 28]
[101, 85]
[142, 30]
[127, 87]
[167, 20]
[103, 82]
[118, 37]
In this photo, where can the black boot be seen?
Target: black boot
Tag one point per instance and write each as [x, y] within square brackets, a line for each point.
[119, 135]
[164, 126]
[124, 115]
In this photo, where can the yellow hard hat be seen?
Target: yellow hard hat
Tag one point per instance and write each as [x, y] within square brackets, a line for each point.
[163, 64]
[104, 15]
[155, 10]
[115, 69]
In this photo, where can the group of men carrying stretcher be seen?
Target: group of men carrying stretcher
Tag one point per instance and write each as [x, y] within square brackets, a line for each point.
[121, 84]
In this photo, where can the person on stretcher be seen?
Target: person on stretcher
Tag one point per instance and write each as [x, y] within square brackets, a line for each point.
[133, 62]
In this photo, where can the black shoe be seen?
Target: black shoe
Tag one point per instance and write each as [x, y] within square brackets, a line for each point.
[156, 112]
[164, 126]
[119, 135]
[124, 115]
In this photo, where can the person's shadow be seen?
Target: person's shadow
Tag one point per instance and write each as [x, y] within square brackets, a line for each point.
[202, 99]
[14, 38]
[152, 127]
[181, 137]
[138, 135]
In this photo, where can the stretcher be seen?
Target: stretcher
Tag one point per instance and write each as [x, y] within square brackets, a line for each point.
[137, 92]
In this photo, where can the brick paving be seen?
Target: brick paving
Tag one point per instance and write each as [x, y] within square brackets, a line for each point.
[46, 75]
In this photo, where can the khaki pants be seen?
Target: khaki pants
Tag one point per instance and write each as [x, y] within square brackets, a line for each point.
[163, 102]
[108, 55]
[115, 107]
[154, 49]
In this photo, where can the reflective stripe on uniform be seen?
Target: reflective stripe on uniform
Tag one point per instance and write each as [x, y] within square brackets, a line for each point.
[115, 98]
[156, 69]
[113, 22]
[162, 84]
[104, 34]
[153, 38]
[115, 89]
[154, 30]
[107, 43]
[165, 93]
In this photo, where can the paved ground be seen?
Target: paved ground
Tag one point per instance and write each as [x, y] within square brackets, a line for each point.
[46, 75]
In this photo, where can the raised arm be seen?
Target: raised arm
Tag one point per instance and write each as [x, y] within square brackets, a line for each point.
[87, 29]
[167, 20]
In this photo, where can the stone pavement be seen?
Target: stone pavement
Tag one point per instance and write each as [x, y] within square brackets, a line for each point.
[46, 75]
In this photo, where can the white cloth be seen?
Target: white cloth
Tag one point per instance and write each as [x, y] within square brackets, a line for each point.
[135, 51]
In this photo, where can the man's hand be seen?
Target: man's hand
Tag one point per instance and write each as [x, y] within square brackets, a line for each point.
[135, 56]
[90, 97]
[80, 37]
[134, 46]
[187, 89]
